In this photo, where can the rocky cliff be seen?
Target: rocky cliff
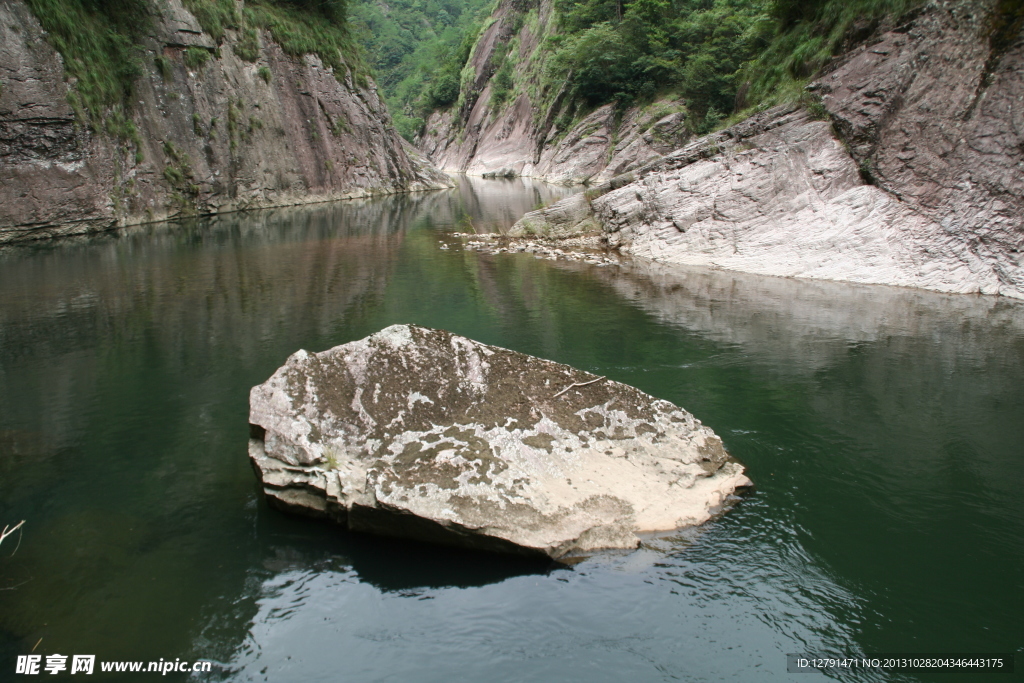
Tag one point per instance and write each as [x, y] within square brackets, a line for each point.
[911, 174]
[222, 135]
[522, 135]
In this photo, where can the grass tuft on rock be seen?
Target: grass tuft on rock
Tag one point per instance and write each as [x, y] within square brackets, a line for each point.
[99, 42]
[248, 45]
[300, 32]
[196, 57]
[215, 16]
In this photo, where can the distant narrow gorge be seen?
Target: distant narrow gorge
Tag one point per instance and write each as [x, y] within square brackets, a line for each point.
[487, 135]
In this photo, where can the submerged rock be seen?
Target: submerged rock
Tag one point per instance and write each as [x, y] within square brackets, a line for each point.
[420, 433]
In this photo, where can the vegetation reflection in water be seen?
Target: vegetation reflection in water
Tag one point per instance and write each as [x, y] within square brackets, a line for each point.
[881, 426]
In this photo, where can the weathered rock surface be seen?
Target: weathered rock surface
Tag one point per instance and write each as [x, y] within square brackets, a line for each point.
[922, 187]
[508, 144]
[522, 137]
[218, 138]
[934, 116]
[420, 433]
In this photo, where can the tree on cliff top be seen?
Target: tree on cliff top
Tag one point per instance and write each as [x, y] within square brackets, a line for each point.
[705, 51]
[631, 51]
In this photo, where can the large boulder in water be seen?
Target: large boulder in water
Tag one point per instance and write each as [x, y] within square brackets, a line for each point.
[424, 434]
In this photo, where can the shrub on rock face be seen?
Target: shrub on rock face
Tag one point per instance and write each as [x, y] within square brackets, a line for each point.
[421, 433]
[445, 90]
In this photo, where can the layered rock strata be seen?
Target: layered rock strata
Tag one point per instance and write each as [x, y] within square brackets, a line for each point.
[507, 143]
[227, 135]
[420, 433]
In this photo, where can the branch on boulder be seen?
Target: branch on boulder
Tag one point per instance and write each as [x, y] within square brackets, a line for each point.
[8, 531]
[577, 384]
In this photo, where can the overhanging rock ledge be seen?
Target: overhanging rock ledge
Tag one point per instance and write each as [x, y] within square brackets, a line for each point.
[420, 433]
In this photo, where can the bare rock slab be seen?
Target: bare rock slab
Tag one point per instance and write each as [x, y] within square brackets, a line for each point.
[420, 433]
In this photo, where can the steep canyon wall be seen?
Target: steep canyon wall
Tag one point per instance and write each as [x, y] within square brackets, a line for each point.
[912, 175]
[226, 135]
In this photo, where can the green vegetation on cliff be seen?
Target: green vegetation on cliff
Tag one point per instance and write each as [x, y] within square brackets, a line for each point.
[808, 34]
[719, 56]
[101, 43]
[300, 27]
[631, 51]
[310, 27]
[722, 58]
[416, 48]
[98, 40]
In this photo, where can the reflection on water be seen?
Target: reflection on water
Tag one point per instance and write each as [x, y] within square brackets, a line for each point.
[881, 426]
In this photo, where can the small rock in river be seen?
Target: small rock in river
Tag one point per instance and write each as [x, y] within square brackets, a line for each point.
[424, 434]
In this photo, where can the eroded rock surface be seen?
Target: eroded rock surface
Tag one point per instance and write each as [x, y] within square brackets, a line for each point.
[420, 433]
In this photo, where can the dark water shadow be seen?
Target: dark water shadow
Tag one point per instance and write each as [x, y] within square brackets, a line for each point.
[389, 564]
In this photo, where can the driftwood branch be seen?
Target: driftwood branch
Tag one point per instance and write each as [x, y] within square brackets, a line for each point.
[10, 530]
[577, 384]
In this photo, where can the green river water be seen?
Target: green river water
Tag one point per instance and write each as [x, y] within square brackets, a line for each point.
[883, 429]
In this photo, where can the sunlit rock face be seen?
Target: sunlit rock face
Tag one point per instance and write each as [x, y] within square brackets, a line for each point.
[420, 433]
[778, 195]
